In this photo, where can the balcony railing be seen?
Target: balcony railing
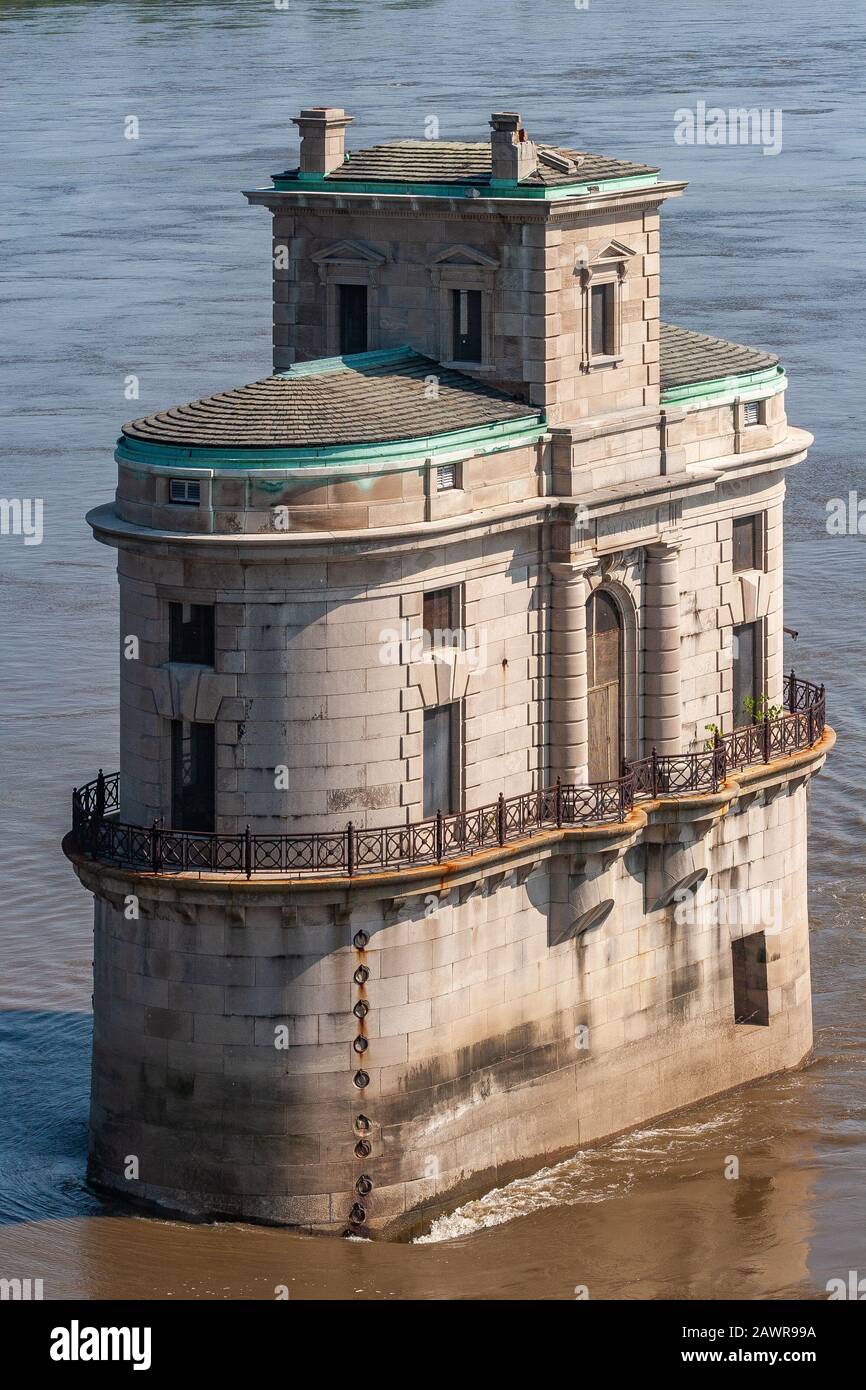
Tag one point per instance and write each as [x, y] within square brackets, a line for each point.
[97, 832]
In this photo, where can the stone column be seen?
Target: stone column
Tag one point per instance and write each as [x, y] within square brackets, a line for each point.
[568, 698]
[663, 714]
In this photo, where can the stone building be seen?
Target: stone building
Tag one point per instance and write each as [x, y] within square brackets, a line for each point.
[461, 815]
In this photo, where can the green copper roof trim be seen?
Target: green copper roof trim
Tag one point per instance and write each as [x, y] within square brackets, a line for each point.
[323, 366]
[320, 183]
[509, 434]
[724, 389]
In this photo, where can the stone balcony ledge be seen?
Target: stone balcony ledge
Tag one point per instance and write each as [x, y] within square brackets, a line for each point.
[580, 842]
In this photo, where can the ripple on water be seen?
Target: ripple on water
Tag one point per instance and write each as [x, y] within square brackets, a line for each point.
[582, 1179]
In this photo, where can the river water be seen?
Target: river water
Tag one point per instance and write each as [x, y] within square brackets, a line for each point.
[138, 258]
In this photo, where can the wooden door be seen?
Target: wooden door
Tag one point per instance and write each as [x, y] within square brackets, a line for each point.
[604, 680]
[438, 760]
[745, 673]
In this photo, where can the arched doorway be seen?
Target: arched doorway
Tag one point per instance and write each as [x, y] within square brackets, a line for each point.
[604, 681]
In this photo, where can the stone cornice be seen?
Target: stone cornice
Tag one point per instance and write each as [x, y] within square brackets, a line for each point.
[580, 206]
[265, 547]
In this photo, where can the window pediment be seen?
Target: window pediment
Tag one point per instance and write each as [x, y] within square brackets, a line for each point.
[341, 266]
[604, 255]
[609, 253]
[348, 260]
[461, 256]
[346, 251]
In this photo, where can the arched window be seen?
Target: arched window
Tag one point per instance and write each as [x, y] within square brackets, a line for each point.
[604, 681]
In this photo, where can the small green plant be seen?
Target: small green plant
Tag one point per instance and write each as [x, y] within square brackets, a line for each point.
[760, 709]
[714, 733]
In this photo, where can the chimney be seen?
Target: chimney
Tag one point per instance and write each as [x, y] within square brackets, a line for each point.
[513, 156]
[323, 138]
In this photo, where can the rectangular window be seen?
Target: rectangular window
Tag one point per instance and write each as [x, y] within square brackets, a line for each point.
[752, 413]
[184, 491]
[751, 997]
[746, 550]
[745, 672]
[353, 319]
[191, 633]
[602, 335]
[193, 790]
[466, 326]
[439, 763]
[439, 616]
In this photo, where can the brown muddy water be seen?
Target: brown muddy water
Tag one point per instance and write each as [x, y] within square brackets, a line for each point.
[139, 258]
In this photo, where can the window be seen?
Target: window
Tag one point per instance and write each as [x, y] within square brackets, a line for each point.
[439, 761]
[191, 633]
[352, 309]
[446, 477]
[349, 273]
[746, 549]
[752, 413]
[602, 321]
[603, 275]
[184, 491]
[464, 281]
[604, 687]
[751, 999]
[745, 672]
[466, 343]
[439, 616]
[192, 776]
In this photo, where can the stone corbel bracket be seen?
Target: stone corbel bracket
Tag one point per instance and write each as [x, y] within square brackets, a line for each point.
[395, 910]
[580, 889]
[671, 864]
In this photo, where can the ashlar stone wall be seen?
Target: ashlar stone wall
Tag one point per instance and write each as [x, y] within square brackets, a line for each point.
[261, 1051]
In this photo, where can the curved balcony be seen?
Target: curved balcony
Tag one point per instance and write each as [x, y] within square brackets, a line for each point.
[97, 832]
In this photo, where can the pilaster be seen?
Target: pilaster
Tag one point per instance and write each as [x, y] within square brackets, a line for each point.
[662, 655]
[568, 672]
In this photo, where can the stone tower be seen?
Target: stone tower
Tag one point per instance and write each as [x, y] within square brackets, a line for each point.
[452, 706]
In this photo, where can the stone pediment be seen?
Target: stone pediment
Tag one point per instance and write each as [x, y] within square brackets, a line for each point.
[604, 254]
[610, 251]
[461, 255]
[346, 250]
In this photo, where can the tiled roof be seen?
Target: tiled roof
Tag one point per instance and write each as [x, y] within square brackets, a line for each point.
[370, 398]
[458, 161]
[377, 397]
[688, 357]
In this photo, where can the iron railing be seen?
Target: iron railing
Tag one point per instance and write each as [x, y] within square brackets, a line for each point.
[97, 832]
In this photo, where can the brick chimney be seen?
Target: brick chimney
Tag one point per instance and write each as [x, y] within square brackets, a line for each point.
[514, 157]
[323, 138]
